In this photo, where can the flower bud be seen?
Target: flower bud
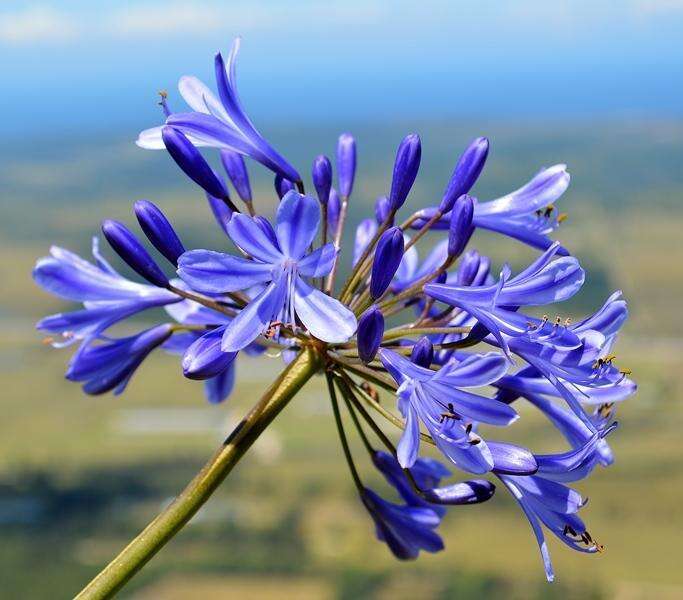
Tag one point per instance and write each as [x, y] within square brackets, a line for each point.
[234, 166]
[191, 161]
[282, 186]
[333, 210]
[346, 163]
[461, 228]
[406, 166]
[388, 256]
[370, 332]
[464, 492]
[158, 230]
[321, 174]
[466, 172]
[204, 358]
[423, 353]
[382, 209]
[127, 246]
[221, 211]
[467, 268]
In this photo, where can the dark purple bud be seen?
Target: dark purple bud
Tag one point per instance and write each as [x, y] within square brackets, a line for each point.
[127, 246]
[191, 161]
[441, 278]
[370, 332]
[234, 166]
[466, 172]
[423, 353]
[406, 166]
[388, 256]
[464, 492]
[383, 209]
[333, 210]
[461, 228]
[322, 178]
[282, 186]
[221, 211]
[204, 358]
[158, 230]
[346, 163]
[467, 268]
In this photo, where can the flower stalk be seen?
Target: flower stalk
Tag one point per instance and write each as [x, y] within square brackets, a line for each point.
[173, 518]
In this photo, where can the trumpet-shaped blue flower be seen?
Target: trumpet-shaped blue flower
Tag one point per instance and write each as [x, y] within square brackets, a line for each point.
[109, 365]
[527, 214]
[405, 529]
[495, 306]
[219, 123]
[555, 506]
[279, 259]
[440, 400]
[107, 296]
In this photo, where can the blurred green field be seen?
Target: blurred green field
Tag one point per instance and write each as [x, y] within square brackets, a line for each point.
[79, 476]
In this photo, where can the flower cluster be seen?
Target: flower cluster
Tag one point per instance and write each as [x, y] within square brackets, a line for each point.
[397, 324]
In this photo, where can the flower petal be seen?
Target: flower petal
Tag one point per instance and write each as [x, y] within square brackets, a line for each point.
[409, 444]
[214, 272]
[325, 317]
[255, 316]
[298, 218]
[319, 262]
[246, 234]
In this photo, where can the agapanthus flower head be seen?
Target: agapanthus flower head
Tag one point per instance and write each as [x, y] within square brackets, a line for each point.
[419, 316]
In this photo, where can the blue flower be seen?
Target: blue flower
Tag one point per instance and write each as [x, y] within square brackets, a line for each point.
[426, 472]
[279, 260]
[495, 306]
[110, 365]
[219, 124]
[107, 296]
[527, 214]
[448, 411]
[554, 505]
[405, 529]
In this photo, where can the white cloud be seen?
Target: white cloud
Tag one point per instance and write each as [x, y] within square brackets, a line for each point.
[36, 24]
[40, 23]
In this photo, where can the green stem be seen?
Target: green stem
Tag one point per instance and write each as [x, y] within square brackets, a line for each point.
[174, 517]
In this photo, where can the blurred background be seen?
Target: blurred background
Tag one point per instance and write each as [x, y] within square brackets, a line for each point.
[594, 84]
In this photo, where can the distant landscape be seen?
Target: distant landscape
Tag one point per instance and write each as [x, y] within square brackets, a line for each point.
[79, 476]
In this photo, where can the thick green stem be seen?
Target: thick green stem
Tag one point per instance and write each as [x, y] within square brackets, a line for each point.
[134, 556]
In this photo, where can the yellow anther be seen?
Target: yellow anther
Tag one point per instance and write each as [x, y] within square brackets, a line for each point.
[562, 217]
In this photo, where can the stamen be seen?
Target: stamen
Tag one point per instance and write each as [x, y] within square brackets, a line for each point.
[562, 217]
[48, 340]
[163, 94]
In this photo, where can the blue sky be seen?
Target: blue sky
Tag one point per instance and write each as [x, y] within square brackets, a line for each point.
[94, 65]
